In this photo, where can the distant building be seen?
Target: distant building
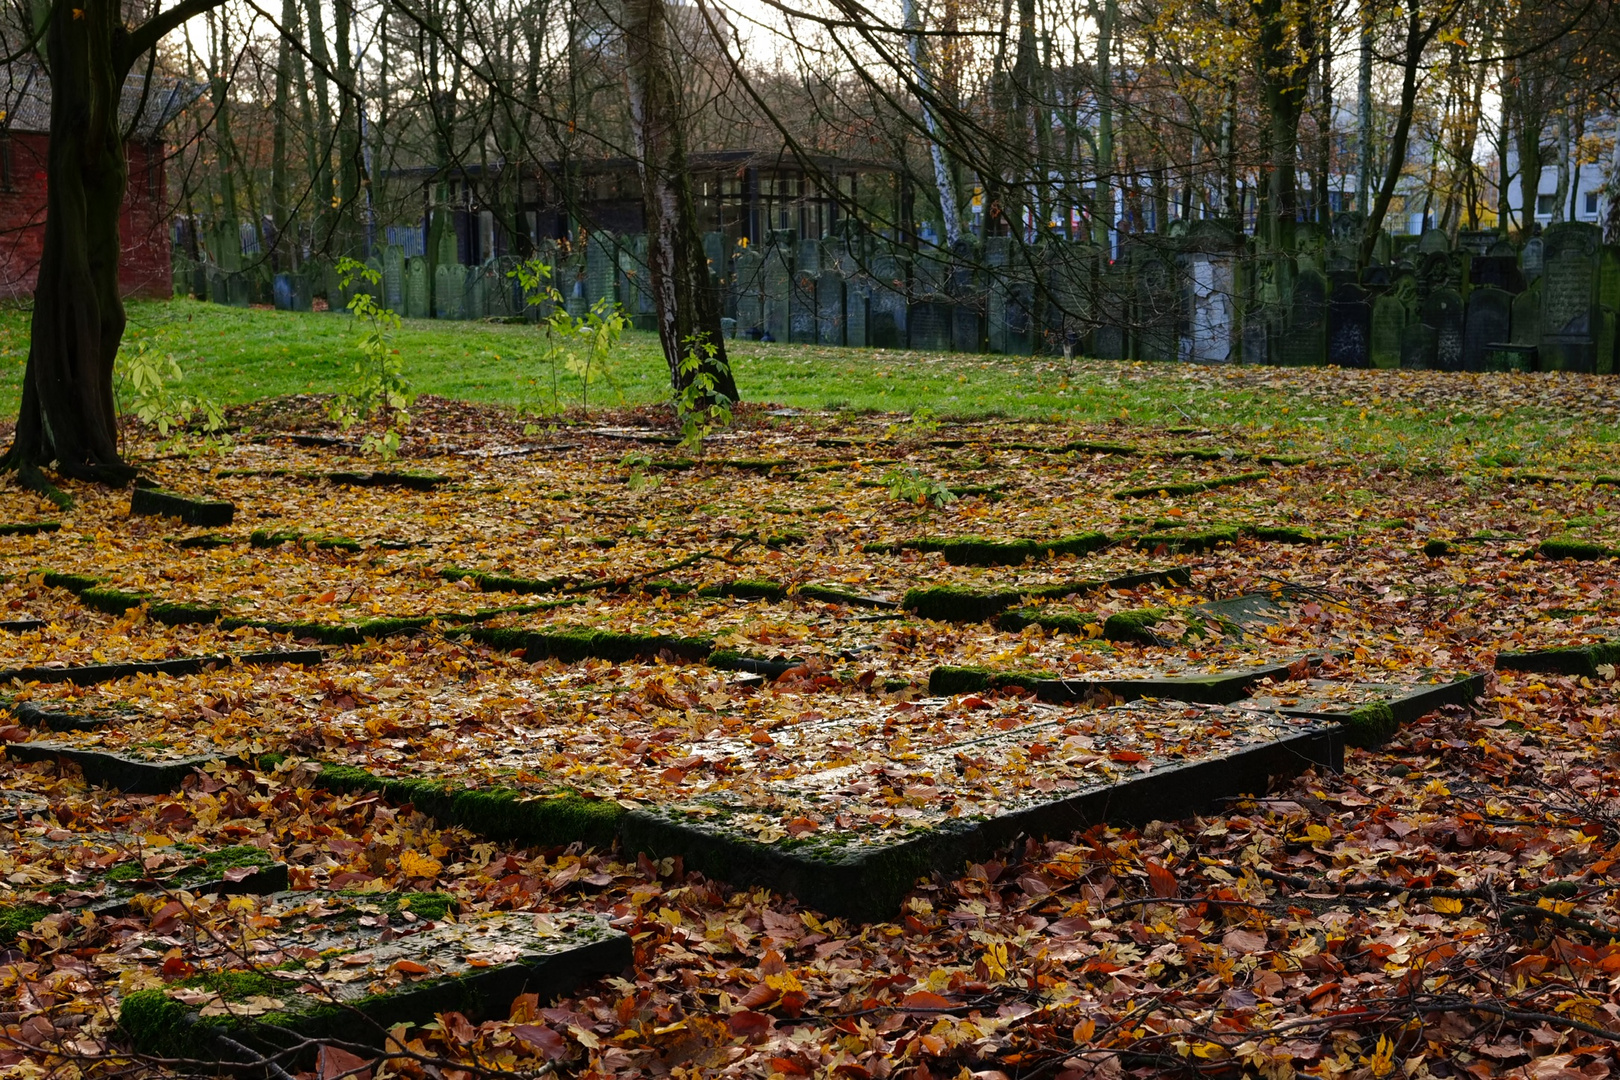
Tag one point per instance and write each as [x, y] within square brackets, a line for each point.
[1586, 199]
[25, 122]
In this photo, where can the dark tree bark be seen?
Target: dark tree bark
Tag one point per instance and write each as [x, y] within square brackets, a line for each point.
[67, 414]
[677, 269]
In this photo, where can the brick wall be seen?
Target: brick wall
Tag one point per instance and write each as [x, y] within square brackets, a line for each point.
[144, 227]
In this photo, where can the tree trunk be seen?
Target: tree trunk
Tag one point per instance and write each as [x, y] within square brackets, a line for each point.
[950, 219]
[688, 310]
[67, 413]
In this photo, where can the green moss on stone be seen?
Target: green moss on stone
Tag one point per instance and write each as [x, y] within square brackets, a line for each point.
[1559, 547]
[16, 918]
[497, 812]
[1370, 725]
[1135, 625]
[1436, 549]
[157, 1024]
[948, 679]
[29, 528]
[1065, 622]
[1190, 541]
[502, 582]
[571, 645]
[1190, 487]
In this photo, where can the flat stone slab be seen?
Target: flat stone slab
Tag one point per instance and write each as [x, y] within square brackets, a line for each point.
[102, 768]
[853, 841]
[408, 480]
[351, 967]
[92, 674]
[204, 513]
[1217, 688]
[1406, 701]
[21, 626]
[18, 805]
[29, 528]
[1572, 660]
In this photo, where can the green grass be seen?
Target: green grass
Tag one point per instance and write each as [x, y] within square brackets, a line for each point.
[237, 355]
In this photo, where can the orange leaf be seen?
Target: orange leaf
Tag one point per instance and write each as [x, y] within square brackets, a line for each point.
[1127, 757]
[1161, 880]
[924, 999]
[409, 967]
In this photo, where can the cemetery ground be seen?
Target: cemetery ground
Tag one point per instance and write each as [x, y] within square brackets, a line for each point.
[1167, 720]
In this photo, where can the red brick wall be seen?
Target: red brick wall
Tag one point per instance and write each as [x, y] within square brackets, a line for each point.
[144, 226]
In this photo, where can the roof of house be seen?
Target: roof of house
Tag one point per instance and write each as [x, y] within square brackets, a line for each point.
[143, 111]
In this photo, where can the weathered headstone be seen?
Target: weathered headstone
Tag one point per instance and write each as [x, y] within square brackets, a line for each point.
[1158, 306]
[449, 287]
[1418, 347]
[830, 308]
[1349, 326]
[1531, 258]
[1526, 324]
[1433, 242]
[1569, 289]
[1476, 241]
[393, 283]
[416, 288]
[777, 289]
[1305, 344]
[928, 323]
[1487, 321]
[748, 276]
[284, 292]
[1442, 313]
[886, 326]
[802, 302]
[1388, 320]
[601, 269]
[1497, 272]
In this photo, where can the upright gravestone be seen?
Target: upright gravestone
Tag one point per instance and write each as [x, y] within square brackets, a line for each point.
[1388, 320]
[1496, 272]
[1476, 241]
[1417, 347]
[1383, 251]
[1531, 258]
[393, 283]
[1158, 306]
[1570, 321]
[449, 291]
[601, 270]
[239, 287]
[1488, 321]
[928, 323]
[1433, 242]
[416, 287]
[1526, 329]
[997, 251]
[474, 303]
[1212, 291]
[1305, 344]
[1442, 313]
[803, 306]
[829, 308]
[1349, 326]
[777, 289]
[284, 292]
[748, 277]
[886, 319]
[967, 299]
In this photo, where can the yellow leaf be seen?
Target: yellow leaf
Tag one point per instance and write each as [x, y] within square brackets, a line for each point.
[78, 13]
[416, 865]
[1383, 1058]
[1318, 834]
[1446, 905]
[154, 840]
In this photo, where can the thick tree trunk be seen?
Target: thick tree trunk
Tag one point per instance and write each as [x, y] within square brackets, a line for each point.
[688, 310]
[67, 415]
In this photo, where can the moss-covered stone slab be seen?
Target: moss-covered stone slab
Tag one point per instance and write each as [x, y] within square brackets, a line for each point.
[1190, 487]
[1373, 712]
[204, 513]
[1571, 660]
[92, 674]
[352, 968]
[412, 481]
[1219, 688]
[949, 603]
[853, 841]
[21, 626]
[153, 774]
[29, 528]
[584, 644]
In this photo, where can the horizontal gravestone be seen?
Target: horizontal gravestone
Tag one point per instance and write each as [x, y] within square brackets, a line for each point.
[338, 967]
[208, 513]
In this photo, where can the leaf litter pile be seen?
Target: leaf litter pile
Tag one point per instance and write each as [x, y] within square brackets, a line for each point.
[760, 642]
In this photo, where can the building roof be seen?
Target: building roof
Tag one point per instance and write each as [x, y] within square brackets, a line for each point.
[25, 101]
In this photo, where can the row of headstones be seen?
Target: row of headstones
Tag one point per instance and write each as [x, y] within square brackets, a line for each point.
[1551, 306]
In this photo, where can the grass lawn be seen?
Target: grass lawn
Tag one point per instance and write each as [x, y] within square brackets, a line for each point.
[234, 355]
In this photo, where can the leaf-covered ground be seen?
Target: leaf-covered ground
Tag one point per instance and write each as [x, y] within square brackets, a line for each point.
[766, 619]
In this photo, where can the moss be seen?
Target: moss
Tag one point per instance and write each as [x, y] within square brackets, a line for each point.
[1285, 534]
[747, 589]
[987, 551]
[1205, 453]
[1190, 487]
[496, 812]
[71, 582]
[1135, 625]
[952, 603]
[29, 528]
[425, 905]
[157, 1024]
[1190, 541]
[502, 582]
[117, 601]
[947, 679]
[337, 633]
[1559, 547]
[34, 480]
[1393, 524]
[1087, 447]
[202, 540]
[570, 645]
[1061, 621]
[1436, 549]
[268, 538]
[236, 985]
[1370, 725]
[16, 918]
